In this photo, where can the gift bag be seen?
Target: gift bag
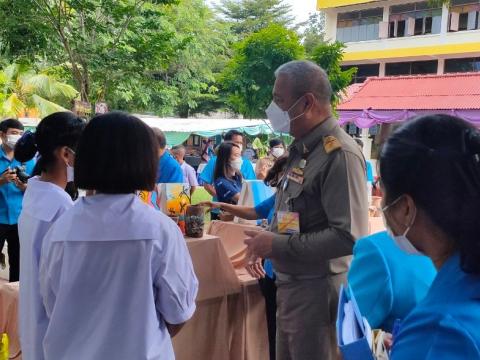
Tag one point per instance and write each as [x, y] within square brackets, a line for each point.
[253, 193]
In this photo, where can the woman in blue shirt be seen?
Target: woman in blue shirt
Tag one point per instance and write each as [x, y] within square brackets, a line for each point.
[387, 282]
[430, 176]
[227, 178]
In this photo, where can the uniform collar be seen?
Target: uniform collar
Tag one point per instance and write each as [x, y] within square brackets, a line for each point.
[3, 154]
[308, 143]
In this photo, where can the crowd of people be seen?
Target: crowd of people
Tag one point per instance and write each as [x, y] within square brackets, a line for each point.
[106, 277]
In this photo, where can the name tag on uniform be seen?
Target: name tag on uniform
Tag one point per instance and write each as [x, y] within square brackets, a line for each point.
[288, 222]
[296, 174]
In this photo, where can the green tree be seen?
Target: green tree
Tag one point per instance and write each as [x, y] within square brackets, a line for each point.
[329, 57]
[205, 49]
[248, 79]
[248, 16]
[24, 89]
[314, 33]
[109, 46]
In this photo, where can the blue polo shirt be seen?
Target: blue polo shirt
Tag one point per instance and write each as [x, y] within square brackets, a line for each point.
[227, 188]
[169, 170]
[11, 197]
[207, 175]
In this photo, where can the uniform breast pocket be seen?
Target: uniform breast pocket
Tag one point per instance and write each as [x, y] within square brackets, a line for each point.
[294, 194]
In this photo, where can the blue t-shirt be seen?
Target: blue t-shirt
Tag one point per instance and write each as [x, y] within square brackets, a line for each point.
[266, 209]
[11, 196]
[444, 326]
[227, 188]
[169, 170]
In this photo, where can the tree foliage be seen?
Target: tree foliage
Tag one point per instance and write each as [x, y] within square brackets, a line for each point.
[249, 16]
[249, 77]
[24, 90]
[314, 33]
[329, 57]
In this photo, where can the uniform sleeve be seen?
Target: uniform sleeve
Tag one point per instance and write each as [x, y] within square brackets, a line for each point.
[247, 170]
[446, 340]
[51, 261]
[176, 173]
[208, 172]
[344, 201]
[264, 208]
[369, 278]
[175, 283]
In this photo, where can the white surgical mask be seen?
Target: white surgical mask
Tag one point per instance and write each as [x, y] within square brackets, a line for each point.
[278, 152]
[280, 119]
[12, 140]
[401, 240]
[240, 146]
[237, 164]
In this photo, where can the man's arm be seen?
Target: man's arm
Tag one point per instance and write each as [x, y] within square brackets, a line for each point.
[340, 209]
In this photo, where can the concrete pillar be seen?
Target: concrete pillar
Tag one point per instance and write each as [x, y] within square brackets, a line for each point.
[381, 72]
[367, 144]
[444, 26]
[441, 67]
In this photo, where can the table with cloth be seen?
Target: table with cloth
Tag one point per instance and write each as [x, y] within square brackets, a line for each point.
[9, 318]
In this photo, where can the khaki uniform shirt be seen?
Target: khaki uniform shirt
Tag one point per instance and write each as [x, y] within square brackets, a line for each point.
[331, 201]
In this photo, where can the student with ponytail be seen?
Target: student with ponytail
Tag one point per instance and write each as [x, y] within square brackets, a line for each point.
[54, 143]
[430, 176]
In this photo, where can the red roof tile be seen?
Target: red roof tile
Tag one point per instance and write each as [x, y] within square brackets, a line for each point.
[430, 92]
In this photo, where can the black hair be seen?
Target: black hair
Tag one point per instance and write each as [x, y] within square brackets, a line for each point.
[161, 138]
[274, 175]
[54, 131]
[275, 142]
[231, 133]
[117, 154]
[10, 124]
[222, 165]
[436, 160]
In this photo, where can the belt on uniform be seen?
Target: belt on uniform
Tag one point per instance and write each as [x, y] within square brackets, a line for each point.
[282, 277]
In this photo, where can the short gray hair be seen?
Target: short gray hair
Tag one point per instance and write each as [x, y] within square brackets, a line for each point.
[307, 77]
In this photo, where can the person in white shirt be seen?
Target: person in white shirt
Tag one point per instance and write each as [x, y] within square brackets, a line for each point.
[44, 201]
[117, 280]
[189, 174]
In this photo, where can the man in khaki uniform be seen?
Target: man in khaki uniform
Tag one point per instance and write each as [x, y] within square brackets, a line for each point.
[324, 188]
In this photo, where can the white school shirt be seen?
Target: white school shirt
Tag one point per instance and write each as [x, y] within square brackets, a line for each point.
[115, 273]
[43, 203]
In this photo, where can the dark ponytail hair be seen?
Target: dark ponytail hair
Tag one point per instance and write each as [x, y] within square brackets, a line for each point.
[222, 165]
[55, 130]
[436, 160]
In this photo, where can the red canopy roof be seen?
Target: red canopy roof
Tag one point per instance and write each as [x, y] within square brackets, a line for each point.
[427, 92]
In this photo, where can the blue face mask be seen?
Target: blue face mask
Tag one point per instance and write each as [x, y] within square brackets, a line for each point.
[401, 240]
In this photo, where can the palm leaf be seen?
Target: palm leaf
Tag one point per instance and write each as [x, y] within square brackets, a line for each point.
[13, 106]
[45, 107]
[45, 86]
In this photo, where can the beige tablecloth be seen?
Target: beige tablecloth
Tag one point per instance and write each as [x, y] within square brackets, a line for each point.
[230, 322]
[9, 316]
[232, 236]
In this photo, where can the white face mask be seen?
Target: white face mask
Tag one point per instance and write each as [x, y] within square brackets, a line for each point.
[401, 240]
[12, 140]
[237, 164]
[278, 152]
[280, 119]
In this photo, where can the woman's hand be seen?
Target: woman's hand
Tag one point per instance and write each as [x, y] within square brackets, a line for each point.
[211, 204]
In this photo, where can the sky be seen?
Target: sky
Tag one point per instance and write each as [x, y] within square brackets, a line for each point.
[300, 8]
